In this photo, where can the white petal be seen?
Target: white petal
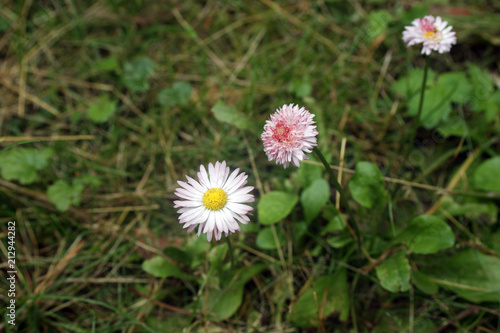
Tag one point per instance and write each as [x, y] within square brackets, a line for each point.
[203, 177]
[192, 215]
[189, 188]
[179, 203]
[185, 194]
[196, 185]
[230, 180]
[210, 225]
[211, 174]
[238, 208]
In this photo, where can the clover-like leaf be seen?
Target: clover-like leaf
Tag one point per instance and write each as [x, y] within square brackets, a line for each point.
[23, 164]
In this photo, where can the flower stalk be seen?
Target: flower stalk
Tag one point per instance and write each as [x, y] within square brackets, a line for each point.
[419, 113]
[354, 230]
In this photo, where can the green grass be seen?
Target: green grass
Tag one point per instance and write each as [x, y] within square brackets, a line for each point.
[80, 262]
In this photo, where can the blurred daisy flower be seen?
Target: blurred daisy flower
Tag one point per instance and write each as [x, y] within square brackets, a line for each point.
[288, 134]
[432, 32]
[214, 203]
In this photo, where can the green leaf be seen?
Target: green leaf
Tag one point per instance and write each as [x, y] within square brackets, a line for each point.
[471, 208]
[424, 283]
[197, 247]
[136, 73]
[265, 239]
[486, 177]
[455, 85]
[107, 64]
[161, 268]
[225, 302]
[22, 164]
[378, 20]
[394, 273]
[482, 85]
[309, 173]
[87, 179]
[314, 197]
[410, 84]
[339, 241]
[335, 220]
[230, 115]
[178, 94]
[491, 106]
[367, 185]
[436, 106]
[452, 128]
[178, 255]
[305, 312]
[217, 254]
[275, 206]
[63, 195]
[427, 234]
[471, 274]
[101, 110]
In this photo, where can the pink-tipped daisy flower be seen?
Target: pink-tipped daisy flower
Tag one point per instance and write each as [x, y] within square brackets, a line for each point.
[432, 32]
[214, 203]
[288, 135]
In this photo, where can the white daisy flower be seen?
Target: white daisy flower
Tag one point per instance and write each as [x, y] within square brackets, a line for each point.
[214, 203]
[432, 32]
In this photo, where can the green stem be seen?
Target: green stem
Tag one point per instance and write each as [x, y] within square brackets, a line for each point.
[230, 250]
[419, 113]
[343, 198]
[15, 144]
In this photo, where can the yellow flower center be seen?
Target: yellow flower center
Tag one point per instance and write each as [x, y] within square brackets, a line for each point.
[214, 199]
[431, 34]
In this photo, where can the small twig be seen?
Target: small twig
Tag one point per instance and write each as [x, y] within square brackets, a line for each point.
[121, 209]
[46, 138]
[379, 260]
[487, 195]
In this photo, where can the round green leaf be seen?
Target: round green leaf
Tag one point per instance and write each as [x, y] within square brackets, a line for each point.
[136, 73]
[427, 234]
[227, 301]
[436, 106]
[265, 239]
[394, 273]
[178, 94]
[486, 175]
[275, 206]
[367, 185]
[224, 302]
[314, 197]
[101, 110]
[63, 195]
[230, 115]
[161, 268]
[309, 173]
[456, 86]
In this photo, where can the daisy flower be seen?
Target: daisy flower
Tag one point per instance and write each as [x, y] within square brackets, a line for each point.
[288, 134]
[214, 203]
[432, 32]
